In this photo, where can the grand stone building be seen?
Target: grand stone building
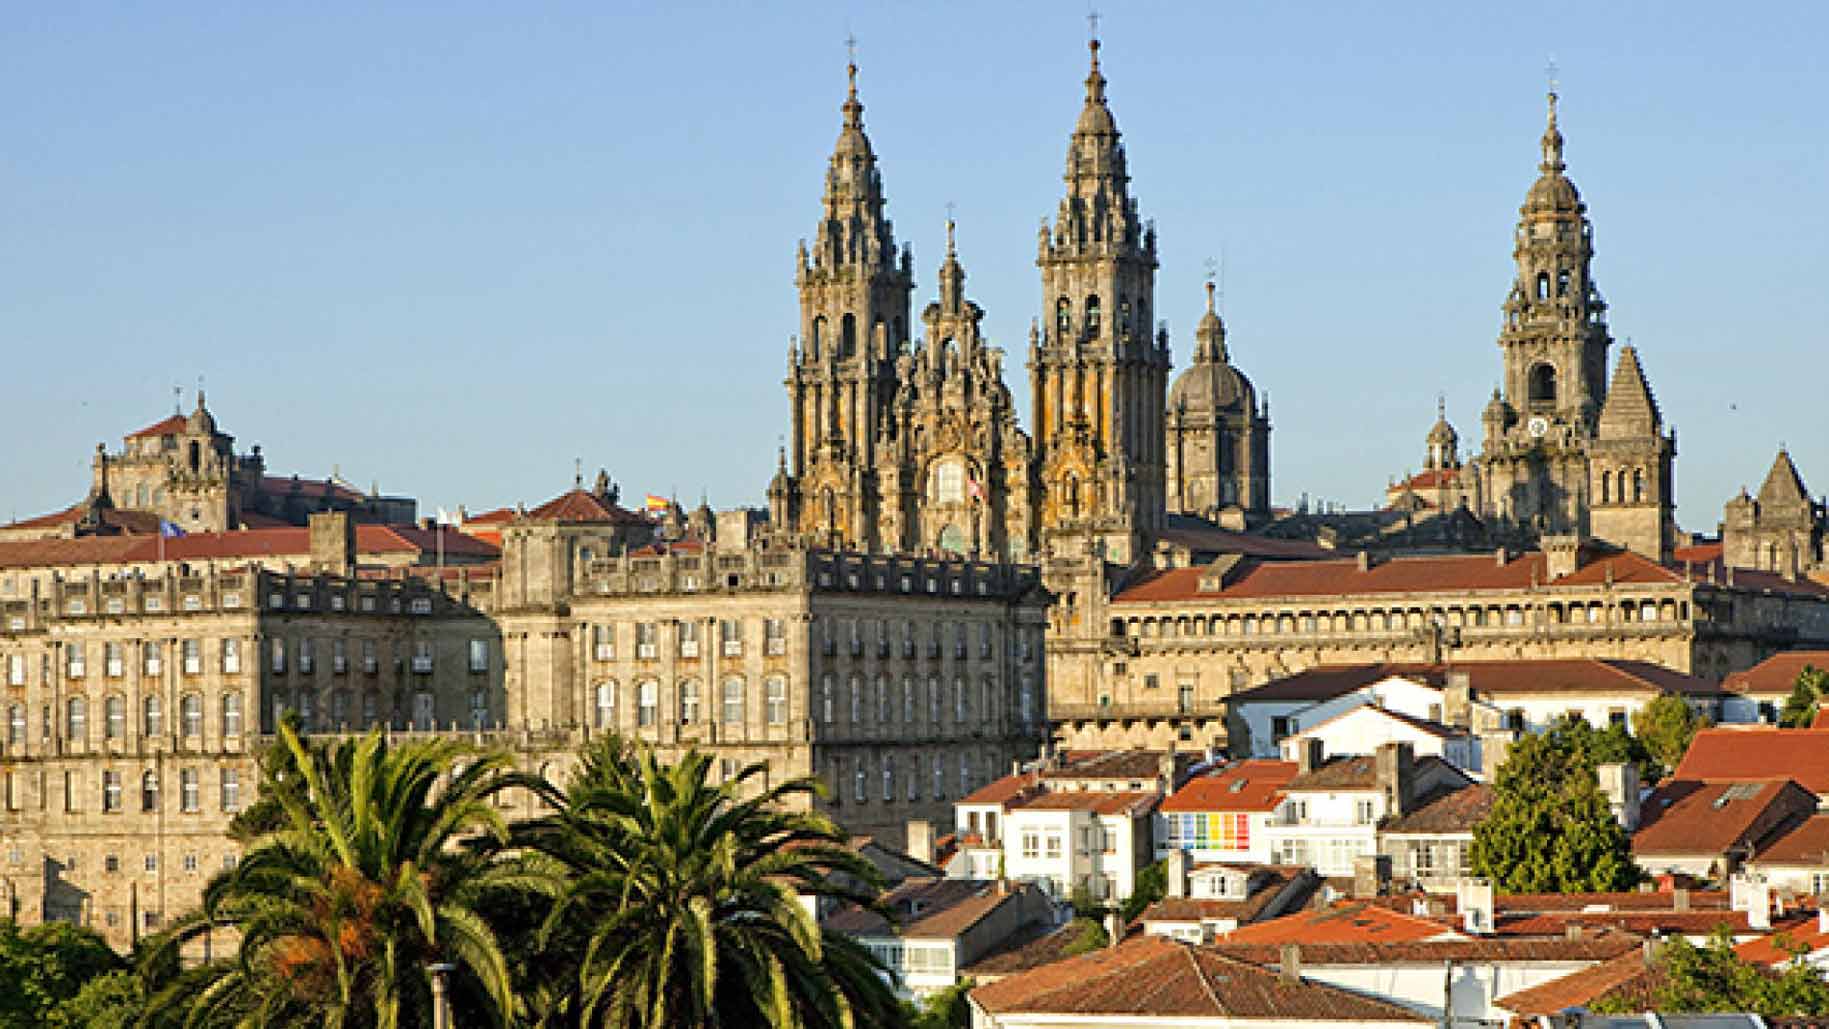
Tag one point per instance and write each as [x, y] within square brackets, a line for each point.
[903, 445]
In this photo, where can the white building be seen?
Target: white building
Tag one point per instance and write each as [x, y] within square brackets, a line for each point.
[1364, 728]
[1330, 811]
[928, 929]
[1223, 815]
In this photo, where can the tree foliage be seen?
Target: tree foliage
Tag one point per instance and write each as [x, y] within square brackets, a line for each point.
[944, 1009]
[45, 966]
[681, 901]
[1807, 694]
[1550, 829]
[1151, 886]
[1666, 726]
[1712, 978]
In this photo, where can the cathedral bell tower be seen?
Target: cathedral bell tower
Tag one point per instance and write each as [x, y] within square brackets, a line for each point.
[1098, 372]
[1554, 343]
[855, 287]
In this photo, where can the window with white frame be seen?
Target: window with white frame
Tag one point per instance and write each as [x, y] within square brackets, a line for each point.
[606, 705]
[76, 720]
[774, 636]
[191, 652]
[645, 635]
[231, 713]
[15, 669]
[733, 701]
[730, 637]
[74, 665]
[111, 790]
[152, 656]
[231, 656]
[189, 797]
[1031, 843]
[190, 711]
[15, 725]
[689, 702]
[689, 638]
[777, 700]
[115, 717]
[648, 703]
[603, 642]
[231, 789]
[112, 664]
[153, 717]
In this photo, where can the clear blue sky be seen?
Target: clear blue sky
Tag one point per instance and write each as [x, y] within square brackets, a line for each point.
[454, 246]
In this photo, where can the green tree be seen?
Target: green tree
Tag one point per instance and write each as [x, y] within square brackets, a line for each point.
[682, 901]
[1550, 829]
[1712, 978]
[46, 965]
[945, 1009]
[1088, 936]
[343, 909]
[1151, 886]
[1807, 694]
[1666, 725]
[114, 1000]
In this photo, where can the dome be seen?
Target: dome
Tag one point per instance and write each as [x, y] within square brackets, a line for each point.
[1212, 387]
[1552, 193]
[1442, 432]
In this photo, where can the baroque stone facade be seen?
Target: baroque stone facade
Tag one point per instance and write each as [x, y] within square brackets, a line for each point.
[901, 445]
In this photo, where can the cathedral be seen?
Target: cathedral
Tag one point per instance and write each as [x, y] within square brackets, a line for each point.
[910, 444]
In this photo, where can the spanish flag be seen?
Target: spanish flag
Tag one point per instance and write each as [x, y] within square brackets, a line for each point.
[658, 505]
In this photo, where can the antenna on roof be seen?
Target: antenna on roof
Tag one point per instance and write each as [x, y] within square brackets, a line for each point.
[177, 399]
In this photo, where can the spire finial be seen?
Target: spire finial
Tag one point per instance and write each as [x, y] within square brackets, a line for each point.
[1441, 406]
[851, 61]
[854, 110]
[177, 399]
[1552, 135]
[1095, 81]
[578, 472]
[950, 207]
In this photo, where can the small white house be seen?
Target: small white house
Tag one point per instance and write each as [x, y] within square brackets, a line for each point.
[1330, 812]
[1366, 727]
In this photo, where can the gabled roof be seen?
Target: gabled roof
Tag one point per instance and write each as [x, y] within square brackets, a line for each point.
[1783, 484]
[1491, 949]
[580, 505]
[1758, 753]
[1776, 674]
[1456, 811]
[1245, 786]
[1002, 791]
[1156, 977]
[1806, 842]
[1274, 879]
[1361, 773]
[167, 426]
[1557, 675]
[1350, 921]
[1098, 802]
[1630, 408]
[241, 543]
[925, 908]
[1687, 817]
[1628, 975]
[1422, 725]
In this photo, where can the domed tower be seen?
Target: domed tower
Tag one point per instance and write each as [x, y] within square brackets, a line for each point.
[854, 288]
[1098, 373]
[200, 476]
[1217, 438]
[1443, 445]
[1554, 342]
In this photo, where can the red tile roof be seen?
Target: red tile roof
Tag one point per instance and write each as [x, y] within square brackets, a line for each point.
[1429, 479]
[1683, 816]
[1597, 947]
[1245, 786]
[1164, 979]
[1099, 802]
[1431, 574]
[1275, 880]
[924, 908]
[1004, 790]
[1776, 674]
[1457, 811]
[1755, 753]
[168, 426]
[242, 543]
[1699, 553]
[282, 486]
[580, 505]
[1804, 843]
[1344, 922]
[1626, 975]
[1783, 945]
[1557, 675]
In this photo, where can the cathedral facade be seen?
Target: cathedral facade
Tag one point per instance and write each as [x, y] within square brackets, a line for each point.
[904, 444]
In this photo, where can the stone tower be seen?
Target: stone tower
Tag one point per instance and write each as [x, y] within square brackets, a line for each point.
[854, 288]
[1630, 467]
[1097, 371]
[1218, 437]
[1781, 530]
[1554, 341]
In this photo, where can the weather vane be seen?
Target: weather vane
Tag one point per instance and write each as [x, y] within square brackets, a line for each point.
[1092, 22]
[1550, 70]
[851, 46]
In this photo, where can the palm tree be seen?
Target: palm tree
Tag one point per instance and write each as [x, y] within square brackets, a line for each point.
[683, 902]
[372, 872]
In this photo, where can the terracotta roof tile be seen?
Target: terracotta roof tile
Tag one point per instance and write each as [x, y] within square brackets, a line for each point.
[1162, 978]
[1245, 786]
[1556, 675]
[1002, 791]
[1457, 811]
[241, 543]
[1683, 816]
[168, 426]
[1776, 674]
[1782, 946]
[1758, 753]
[1625, 975]
[1344, 922]
[1805, 842]
[1099, 802]
[580, 505]
[1031, 947]
[1597, 947]
[1275, 879]
[923, 907]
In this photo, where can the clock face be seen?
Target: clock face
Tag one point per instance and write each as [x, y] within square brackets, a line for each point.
[1537, 426]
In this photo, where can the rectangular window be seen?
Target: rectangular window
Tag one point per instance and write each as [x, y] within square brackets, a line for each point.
[730, 637]
[689, 638]
[420, 606]
[1051, 845]
[279, 656]
[111, 791]
[112, 664]
[231, 714]
[775, 636]
[648, 707]
[192, 654]
[73, 655]
[1031, 844]
[777, 701]
[479, 655]
[15, 670]
[422, 656]
[71, 783]
[231, 656]
[603, 642]
[645, 636]
[1362, 812]
[370, 661]
[733, 701]
[306, 654]
[231, 789]
[187, 789]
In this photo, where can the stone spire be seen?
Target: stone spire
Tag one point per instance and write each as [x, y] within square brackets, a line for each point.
[1631, 409]
[1783, 484]
[952, 274]
[1210, 334]
[854, 230]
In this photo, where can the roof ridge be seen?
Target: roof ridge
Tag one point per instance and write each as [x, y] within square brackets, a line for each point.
[1201, 975]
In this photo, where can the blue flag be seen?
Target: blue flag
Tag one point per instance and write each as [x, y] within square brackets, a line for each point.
[169, 530]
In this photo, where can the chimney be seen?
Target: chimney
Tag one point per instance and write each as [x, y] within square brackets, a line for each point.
[1500, 557]
[1177, 873]
[1474, 897]
[1822, 919]
[333, 543]
[1562, 555]
[1310, 755]
[1114, 928]
[1289, 968]
[1753, 895]
[1365, 561]
[1495, 747]
[1165, 769]
[1395, 765]
[1371, 875]
[1619, 782]
[921, 840]
[1457, 700]
[1679, 899]
[1572, 931]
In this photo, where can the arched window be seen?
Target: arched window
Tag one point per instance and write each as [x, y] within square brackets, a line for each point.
[1638, 485]
[231, 714]
[116, 709]
[1543, 383]
[1543, 285]
[1562, 283]
[190, 710]
[848, 342]
[1063, 318]
[155, 717]
[1092, 315]
[819, 336]
[1606, 487]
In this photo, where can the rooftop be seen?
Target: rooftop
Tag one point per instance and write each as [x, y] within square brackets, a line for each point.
[1805, 842]
[1487, 678]
[1456, 811]
[1244, 786]
[1683, 816]
[1776, 674]
[1162, 978]
[1758, 753]
[1352, 921]
[930, 908]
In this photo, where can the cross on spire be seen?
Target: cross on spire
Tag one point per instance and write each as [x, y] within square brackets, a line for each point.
[1550, 70]
[1092, 22]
